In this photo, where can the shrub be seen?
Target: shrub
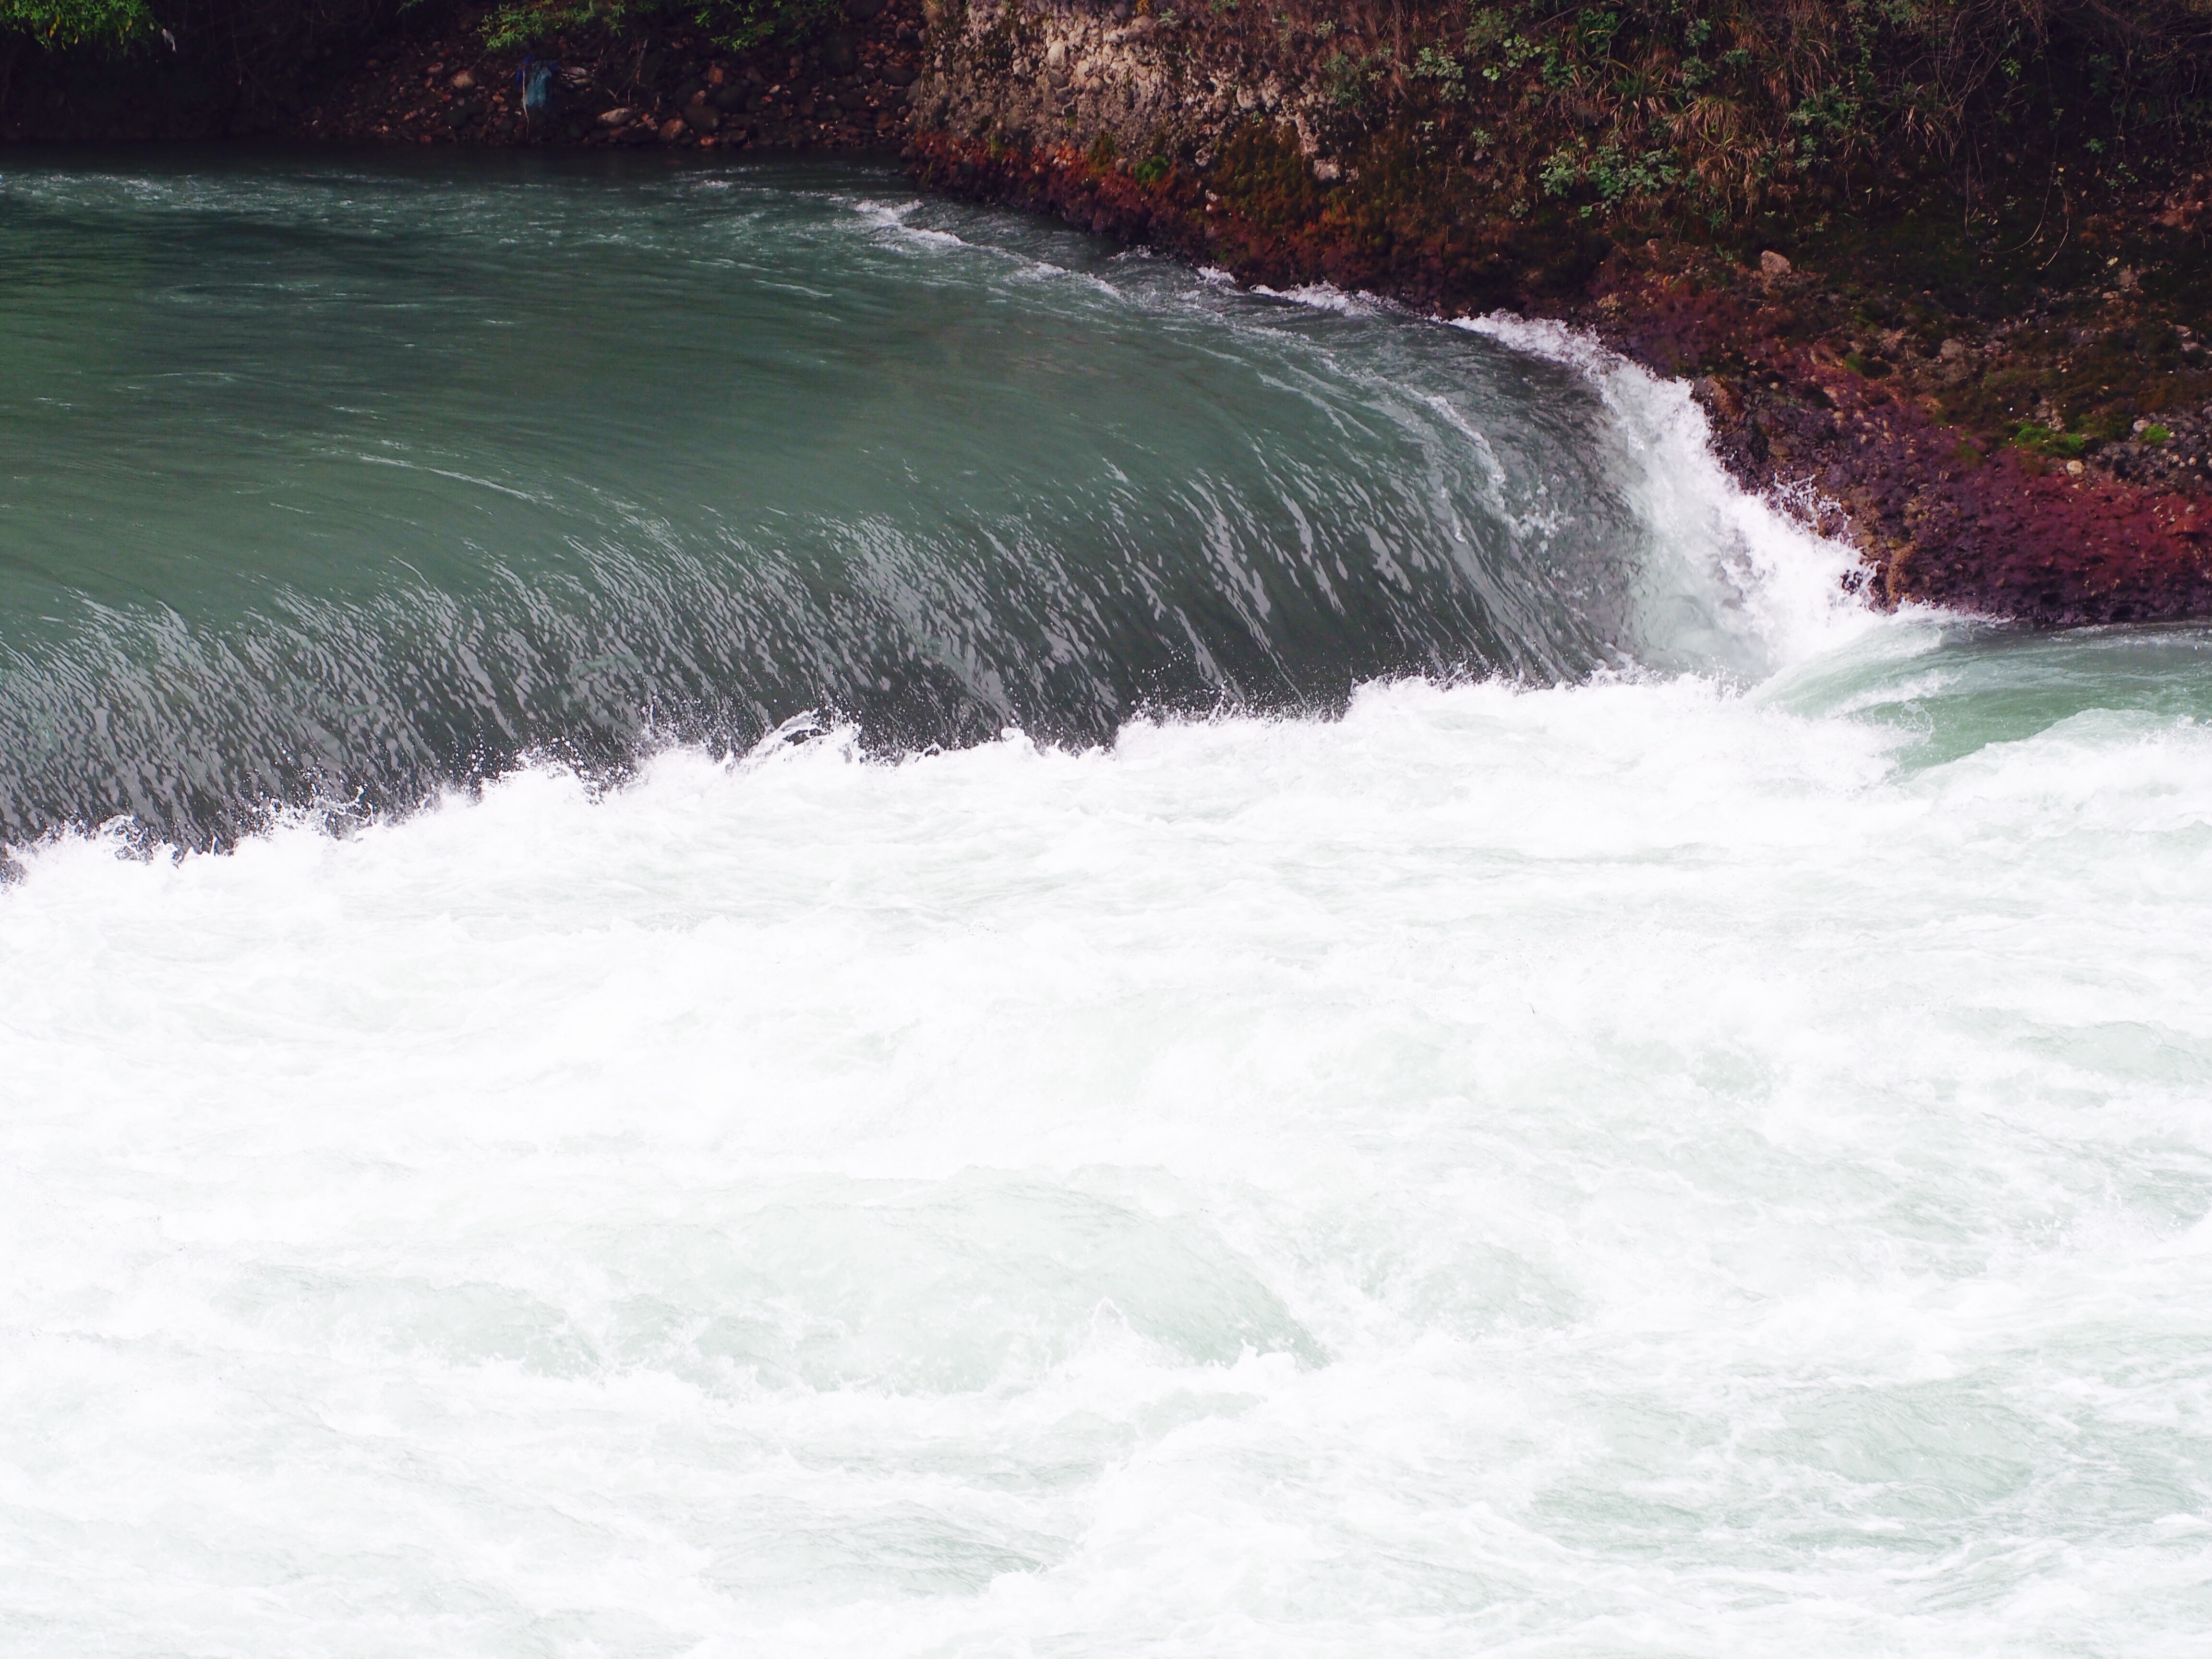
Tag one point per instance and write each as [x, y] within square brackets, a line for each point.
[739, 25]
[1723, 105]
[62, 23]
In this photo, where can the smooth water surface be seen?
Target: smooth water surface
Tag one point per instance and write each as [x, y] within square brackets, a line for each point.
[1555, 1089]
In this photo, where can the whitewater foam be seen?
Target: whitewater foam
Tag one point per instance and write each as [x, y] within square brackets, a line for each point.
[1733, 583]
[1741, 586]
[1708, 1162]
[1560, 1171]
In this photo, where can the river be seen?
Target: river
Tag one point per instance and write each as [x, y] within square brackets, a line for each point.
[745, 915]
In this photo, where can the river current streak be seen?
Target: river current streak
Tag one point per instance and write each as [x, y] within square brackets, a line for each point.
[340, 482]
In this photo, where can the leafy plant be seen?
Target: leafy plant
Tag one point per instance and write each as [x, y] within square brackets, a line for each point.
[2042, 441]
[739, 25]
[63, 24]
[1615, 173]
[1720, 107]
[1344, 79]
[1444, 68]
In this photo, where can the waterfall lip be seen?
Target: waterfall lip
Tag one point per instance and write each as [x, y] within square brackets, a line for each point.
[1773, 560]
[1318, 490]
[1794, 588]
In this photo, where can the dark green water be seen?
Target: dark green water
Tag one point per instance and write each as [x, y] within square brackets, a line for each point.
[336, 479]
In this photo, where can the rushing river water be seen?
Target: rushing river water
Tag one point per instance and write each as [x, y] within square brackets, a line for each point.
[924, 940]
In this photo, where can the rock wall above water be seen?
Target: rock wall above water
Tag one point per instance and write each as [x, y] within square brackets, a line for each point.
[845, 87]
[433, 78]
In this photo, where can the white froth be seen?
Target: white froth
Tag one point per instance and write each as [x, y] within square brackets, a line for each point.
[1646, 1167]
[1735, 583]
[1621, 1168]
[1732, 583]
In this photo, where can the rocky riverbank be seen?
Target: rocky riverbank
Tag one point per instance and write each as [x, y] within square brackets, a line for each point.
[845, 89]
[2013, 439]
[2024, 430]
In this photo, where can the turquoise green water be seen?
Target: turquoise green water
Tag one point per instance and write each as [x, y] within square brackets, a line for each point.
[343, 478]
[1029, 957]
[1949, 692]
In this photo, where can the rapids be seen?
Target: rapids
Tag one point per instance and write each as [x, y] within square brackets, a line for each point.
[928, 941]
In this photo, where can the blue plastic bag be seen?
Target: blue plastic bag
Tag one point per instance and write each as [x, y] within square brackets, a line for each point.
[537, 80]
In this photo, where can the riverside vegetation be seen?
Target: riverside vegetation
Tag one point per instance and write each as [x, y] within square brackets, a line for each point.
[1936, 266]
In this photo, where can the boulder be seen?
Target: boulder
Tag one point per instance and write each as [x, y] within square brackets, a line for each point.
[617, 118]
[703, 117]
[671, 130]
